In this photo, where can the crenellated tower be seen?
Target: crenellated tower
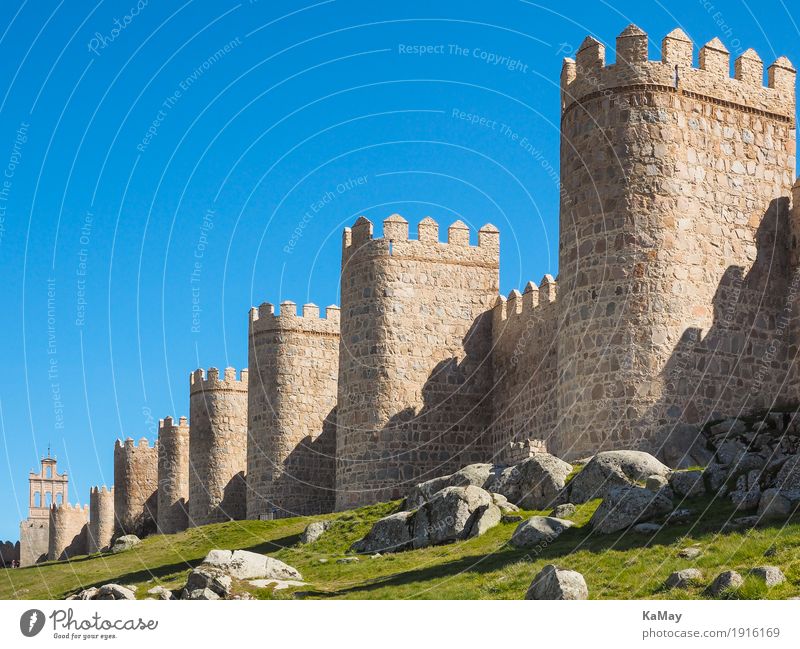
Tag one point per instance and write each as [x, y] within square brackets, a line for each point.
[525, 366]
[217, 446]
[68, 531]
[173, 475]
[135, 486]
[414, 364]
[101, 519]
[673, 244]
[294, 365]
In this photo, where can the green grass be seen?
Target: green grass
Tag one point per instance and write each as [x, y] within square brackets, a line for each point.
[617, 566]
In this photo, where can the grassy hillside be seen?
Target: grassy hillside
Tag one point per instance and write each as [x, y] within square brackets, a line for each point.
[620, 566]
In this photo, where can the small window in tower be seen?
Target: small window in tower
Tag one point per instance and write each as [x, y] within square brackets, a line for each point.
[48, 499]
[48, 472]
[37, 499]
[59, 498]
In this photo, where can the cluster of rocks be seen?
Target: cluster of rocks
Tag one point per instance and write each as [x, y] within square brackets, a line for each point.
[755, 463]
[726, 582]
[451, 514]
[105, 592]
[213, 579]
[535, 483]
[467, 503]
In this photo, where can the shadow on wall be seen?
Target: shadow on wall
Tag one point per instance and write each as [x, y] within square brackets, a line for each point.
[745, 362]
[306, 485]
[177, 515]
[233, 505]
[450, 430]
[9, 553]
[77, 545]
[144, 523]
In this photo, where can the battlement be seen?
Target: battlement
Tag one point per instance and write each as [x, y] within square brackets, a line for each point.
[396, 241]
[169, 422]
[101, 490]
[523, 305]
[588, 76]
[67, 507]
[200, 382]
[264, 318]
[130, 444]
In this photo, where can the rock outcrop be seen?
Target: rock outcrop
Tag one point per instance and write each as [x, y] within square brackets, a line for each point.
[555, 583]
[535, 483]
[314, 531]
[451, 514]
[626, 506]
[611, 469]
[124, 543]
[538, 530]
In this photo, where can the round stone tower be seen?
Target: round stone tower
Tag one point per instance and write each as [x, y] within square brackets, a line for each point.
[414, 361]
[67, 531]
[101, 519]
[217, 446]
[173, 475]
[673, 258]
[135, 487]
[294, 364]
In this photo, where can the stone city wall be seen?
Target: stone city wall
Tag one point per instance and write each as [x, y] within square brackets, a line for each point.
[294, 364]
[101, 519]
[672, 273]
[217, 446]
[173, 475]
[68, 531]
[524, 357]
[414, 362]
[135, 486]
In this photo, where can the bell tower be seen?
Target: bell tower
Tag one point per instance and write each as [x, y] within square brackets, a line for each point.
[45, 488]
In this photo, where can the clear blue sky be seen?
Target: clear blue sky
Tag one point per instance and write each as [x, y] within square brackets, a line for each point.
[149, 174]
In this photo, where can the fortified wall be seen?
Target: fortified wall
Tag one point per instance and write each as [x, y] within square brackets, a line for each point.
[217, 446]
[673, 266]
[101, 519]
[294, 365]
[173, 475]
[525, 365]
[135, 486]
[9, 553]
[676, 303]
[68, 531]
[414, 359]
